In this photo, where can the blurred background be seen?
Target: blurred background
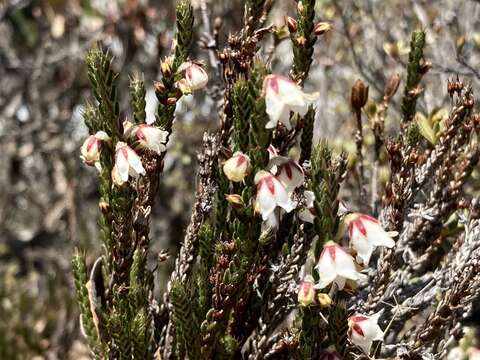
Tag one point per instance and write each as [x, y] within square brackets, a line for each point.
[48, 198]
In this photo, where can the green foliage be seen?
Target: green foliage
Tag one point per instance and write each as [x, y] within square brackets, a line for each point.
[186, 324]
[243, 106]
[304, 39]
[259, 137]
[325, 183]
[338, 326]
[79, 269]
[137, 99]
[167, 94]
[307, 135]
[415, 71]
[103, 81]
[184, 34]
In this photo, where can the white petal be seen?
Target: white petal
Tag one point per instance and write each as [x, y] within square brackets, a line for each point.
[281, 197]
[272, 220]
[377, 236]
[285, 118]
[362, 246]
[266, 201]
[122, 165]
[135, 162]
[326, 269]
[274, 108]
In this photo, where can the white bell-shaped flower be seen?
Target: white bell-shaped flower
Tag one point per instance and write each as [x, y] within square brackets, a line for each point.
[127, 163]
[90, 150]
[282, 96]
[336, 266]
[288, 172]
[270, 194]
[195, 77]
[366, 234]
[237, 167]
[364, 330]
[151, 137]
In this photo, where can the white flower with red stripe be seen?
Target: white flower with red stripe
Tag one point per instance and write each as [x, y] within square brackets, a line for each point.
[282, 96]
[329, 354]
[366, 234]
[270, 194]
[90, 150]
[336, 266]
[364, 330]
[237, 167]
[151, 137]
[127, 163]
[288, 172]
[306, 292]
[195, 77]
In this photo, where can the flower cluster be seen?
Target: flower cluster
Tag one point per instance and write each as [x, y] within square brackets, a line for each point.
[128, 164]
[337, 266]
[274, 188]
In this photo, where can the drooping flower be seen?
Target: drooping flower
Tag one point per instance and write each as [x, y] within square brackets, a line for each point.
[329, 354]
[306, 292]
[127, 163]
[364, 330]
[151, 137]
[270, 194]
[336, 265]
[237, 167]
[195, 77]
[90, 150]
[307, 212]
[283, 95]
[288, 172]
[366, 234]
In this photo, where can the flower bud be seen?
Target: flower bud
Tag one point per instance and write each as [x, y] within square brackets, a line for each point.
[324, 300]
[359, 95]
[237, 167]
[166, 67]
[391, 86]
[90, 150]
[300, 7]
[415, 92]
[306, 292]
[301, 41]
[104, 207]
[322, 28]
[195, 76]
[183, 86]
[158, 85]
[171, 101]
[291, 24]
[235, 200]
